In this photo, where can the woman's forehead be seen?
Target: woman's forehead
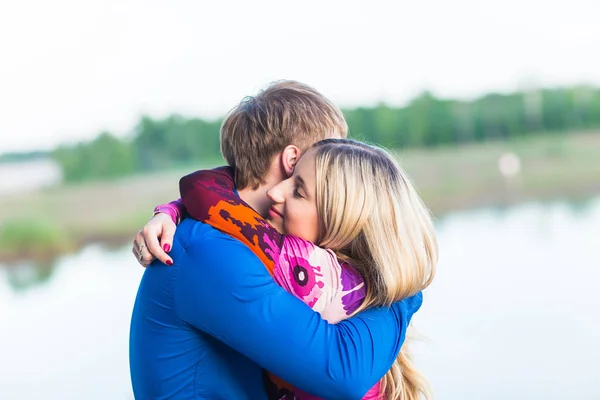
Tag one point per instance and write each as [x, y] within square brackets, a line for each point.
[306, 162]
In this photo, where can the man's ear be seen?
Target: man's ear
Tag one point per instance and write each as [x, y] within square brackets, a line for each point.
[289, 157]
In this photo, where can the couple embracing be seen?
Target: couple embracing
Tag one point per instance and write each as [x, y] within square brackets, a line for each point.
[292, 273]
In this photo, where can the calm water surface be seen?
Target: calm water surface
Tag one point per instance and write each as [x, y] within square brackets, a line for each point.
[514, 313]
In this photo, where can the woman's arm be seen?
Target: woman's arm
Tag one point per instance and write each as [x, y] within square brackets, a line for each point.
[173, 209]
[157, 234]
[209, 196]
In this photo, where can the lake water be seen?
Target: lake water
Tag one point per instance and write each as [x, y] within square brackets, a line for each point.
[512, 314]
[19, 177]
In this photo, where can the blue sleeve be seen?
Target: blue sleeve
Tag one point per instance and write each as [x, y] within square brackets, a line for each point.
[226, 291]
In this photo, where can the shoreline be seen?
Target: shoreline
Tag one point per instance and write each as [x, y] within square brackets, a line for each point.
[42, 225]
[121, 237]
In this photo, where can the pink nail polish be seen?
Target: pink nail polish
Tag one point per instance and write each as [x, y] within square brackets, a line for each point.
[169, 263]
[167, 247]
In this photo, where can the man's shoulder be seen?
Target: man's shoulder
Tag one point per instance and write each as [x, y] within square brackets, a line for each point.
[203, 237]
[191, 230]
[219, 255]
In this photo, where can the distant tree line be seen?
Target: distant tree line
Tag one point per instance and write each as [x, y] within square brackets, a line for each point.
[425, 122]
[155, 144]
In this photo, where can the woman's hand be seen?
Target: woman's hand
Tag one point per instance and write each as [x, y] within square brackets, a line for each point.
[155, 240]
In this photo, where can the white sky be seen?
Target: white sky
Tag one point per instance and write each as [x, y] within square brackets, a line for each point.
[70, 68]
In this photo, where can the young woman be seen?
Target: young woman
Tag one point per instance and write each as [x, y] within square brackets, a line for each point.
[353, 200]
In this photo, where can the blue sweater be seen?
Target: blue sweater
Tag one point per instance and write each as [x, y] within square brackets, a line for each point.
[205, 327]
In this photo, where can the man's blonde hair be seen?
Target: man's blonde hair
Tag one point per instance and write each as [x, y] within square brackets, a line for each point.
[373, 218]
[285, 113]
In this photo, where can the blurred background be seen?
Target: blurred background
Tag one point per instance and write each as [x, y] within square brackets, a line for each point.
[493, 108]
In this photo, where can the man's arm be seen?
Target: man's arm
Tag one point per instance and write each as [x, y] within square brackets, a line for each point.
[224, 289]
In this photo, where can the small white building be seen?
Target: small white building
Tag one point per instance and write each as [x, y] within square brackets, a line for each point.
[18, 177]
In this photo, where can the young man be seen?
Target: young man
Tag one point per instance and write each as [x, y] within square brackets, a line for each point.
[205, 327]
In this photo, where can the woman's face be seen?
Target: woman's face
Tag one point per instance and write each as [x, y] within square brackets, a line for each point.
[294, 209]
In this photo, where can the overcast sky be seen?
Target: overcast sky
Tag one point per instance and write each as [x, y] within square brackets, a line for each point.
[70, 68]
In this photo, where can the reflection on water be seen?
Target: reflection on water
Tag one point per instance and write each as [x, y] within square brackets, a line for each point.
[28, 274]
[512, 313]
[68, 338]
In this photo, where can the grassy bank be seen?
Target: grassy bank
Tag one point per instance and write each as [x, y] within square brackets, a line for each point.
[552, 167]
[41, 225]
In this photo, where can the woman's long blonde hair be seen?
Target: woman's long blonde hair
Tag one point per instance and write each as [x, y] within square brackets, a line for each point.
[372, 217]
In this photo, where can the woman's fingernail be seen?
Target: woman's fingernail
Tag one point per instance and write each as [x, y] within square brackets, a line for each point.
[169, 262]
[167, 247]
